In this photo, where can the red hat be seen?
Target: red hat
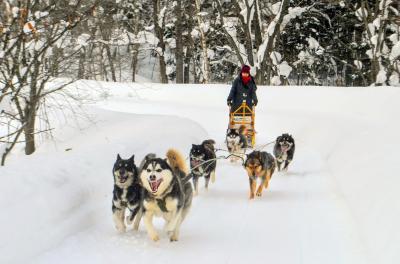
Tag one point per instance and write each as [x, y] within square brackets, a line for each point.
[245, 68]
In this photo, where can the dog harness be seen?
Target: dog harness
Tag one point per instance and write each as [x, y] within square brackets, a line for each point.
[161, 203]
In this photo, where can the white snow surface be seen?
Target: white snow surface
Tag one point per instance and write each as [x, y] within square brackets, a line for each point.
[338, 203]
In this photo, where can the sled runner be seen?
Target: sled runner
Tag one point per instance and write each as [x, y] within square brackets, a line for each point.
[245, 116]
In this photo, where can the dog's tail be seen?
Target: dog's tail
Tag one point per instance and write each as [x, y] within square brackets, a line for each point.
[176, 161]
[209, 143]
[243, 130]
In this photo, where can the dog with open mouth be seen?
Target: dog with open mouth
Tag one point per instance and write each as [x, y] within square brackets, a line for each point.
[284, 151]
[168, 192]
[126, 194]
[203, 163]
[260, 165]
[236, 142]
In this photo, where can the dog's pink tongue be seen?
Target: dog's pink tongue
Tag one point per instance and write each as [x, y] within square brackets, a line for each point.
[154, 185]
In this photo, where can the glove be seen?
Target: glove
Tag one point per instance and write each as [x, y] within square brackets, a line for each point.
[229, 103]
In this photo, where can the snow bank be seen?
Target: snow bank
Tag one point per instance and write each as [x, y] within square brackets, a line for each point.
[337, 204]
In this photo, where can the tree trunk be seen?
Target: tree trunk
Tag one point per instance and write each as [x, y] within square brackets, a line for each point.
[186, 70]
[135, 53]
[179, 44]
[189, 43]
[135, 49]
[206, 65]
[9, 147]
[81, 69]
[246, 27]
[257, 26]
[159, 29]
[265, 72]
[30, 111]
[110, 61]
[29, 131]
[231, 41]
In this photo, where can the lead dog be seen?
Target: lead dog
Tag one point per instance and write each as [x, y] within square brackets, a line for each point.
[126, 194]
[168, 193]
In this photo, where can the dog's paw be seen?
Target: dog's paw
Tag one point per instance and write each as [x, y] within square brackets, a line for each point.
[128, 220]
[251, 196]
[259, 194]
[173, 238]
[136, 225]
[155, 237]
[121, 229]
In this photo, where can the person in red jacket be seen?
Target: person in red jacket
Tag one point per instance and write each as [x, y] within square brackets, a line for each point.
[243, 89]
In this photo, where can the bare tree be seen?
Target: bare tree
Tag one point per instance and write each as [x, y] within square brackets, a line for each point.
[28, 63]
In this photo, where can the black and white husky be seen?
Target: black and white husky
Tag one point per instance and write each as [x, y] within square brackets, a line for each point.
[284, 151]
[203, 163]
[126, 194]
[236, 142]
[168, 192]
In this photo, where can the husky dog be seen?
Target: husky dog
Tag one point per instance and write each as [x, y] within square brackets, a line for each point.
[259, 165]
[168, 192]
[284, 150]
[236, 142]
[127, 192]
[203, 163]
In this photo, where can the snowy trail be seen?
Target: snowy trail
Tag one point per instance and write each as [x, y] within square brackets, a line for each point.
[308, 215]
[299, 213]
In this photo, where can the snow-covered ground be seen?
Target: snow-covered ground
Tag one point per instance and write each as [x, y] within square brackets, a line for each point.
[337, 204]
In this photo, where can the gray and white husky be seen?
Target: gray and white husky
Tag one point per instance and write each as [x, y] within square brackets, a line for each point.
[236, 143]
[168, 192]
[284, 151]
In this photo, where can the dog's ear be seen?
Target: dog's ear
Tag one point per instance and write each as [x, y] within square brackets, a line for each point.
[132, 158]
[118, 157]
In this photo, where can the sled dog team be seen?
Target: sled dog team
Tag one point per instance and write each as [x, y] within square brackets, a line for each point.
[161, 187]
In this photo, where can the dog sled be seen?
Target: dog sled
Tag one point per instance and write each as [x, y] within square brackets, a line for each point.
[245, 116]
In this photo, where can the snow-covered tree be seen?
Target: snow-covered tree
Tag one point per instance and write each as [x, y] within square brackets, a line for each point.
[36, 44]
